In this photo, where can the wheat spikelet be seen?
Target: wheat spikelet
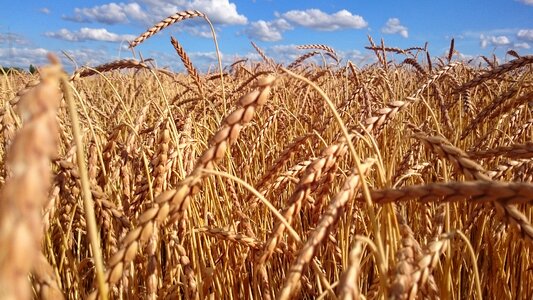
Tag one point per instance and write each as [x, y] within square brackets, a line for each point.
[415, 64]
[348, 287]
[515, 151]
[114, 65]
[301, 59]
[261, 53]
[188, 65]
[28, 87]
[512, 107]
[231, 236]
[409, 252]
[388, 49]
[260, 137]
[408, 289]
[513, 53]
[474, 191]
[452, 50]
[317, 47]
[177, 17]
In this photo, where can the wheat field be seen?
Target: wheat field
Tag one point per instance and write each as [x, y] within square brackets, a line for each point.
[408, 178]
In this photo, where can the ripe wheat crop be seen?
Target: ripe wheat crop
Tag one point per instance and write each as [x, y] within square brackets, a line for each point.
[317, 179]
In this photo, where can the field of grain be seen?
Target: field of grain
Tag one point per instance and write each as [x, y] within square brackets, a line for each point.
[407, 178]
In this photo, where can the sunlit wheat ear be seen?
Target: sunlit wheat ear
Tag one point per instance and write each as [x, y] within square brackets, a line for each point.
[416, 65]
[408, 289]
[301, 59]
[388, 49]
[478, 192]
[348, 286]
[114, 65]
[23, 195]
[188, 65]
[517, 151]
[177, 17]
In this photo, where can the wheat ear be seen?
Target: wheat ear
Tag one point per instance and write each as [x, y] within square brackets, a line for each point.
[177, 17]
[23, 195]
[496, 72]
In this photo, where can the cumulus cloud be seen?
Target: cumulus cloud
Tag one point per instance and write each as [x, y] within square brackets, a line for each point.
[287, 53]
[13, 39]
[219, 11]
[527, 2]
[45, 10]
[111, 13]
[89, 57]
[151, 11]
[203, 61]
[495, 41]
[523, 45]
[393, 26]
[525, 34]
[357, 57]
[22, 57]
[267, 31]
[317, 19]
[89, 34]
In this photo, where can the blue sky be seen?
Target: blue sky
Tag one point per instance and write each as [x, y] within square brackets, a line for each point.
[95, 32]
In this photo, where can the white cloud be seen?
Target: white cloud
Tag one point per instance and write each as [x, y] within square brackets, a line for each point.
[527, 2]
[284, 53]
[267, 31]
[393, 26]
[13, 39]
[22, 57]
[287, 53]
[523, 45]
[199, 30]
[525, 34]
[86, 34]
[494, 41]
[149, 12]
[45, 10]
[203, 61]
[111, 13]
[357, 57]
[89, 57]
[317, 19]
[218, 11]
